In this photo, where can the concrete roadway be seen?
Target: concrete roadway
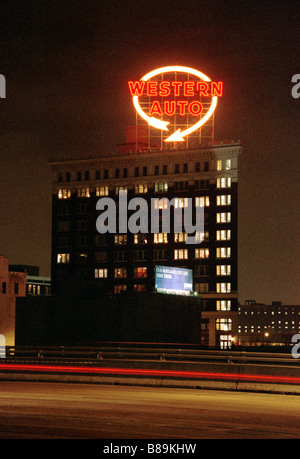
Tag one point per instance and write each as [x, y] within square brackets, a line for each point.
[50, 410]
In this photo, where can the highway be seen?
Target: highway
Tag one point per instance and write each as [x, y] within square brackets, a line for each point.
[34, 410]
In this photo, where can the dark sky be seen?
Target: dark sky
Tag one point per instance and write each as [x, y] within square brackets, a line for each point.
[67, 64]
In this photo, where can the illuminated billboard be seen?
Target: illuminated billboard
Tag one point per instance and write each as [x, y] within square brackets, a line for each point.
[173, 280]
[175, 96]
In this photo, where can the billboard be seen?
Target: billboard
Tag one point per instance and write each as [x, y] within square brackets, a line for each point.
[173, 280]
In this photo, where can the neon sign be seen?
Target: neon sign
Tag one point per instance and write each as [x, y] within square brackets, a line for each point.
[158, 99]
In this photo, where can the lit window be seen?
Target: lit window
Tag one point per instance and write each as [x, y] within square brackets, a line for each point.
[224, 200]
[202, 201]
[63, 258]
[219, 165]
[160, 238]
[223, 217]
[83, 192]
[140, 272]
[161, 186]
[140, 238]
[120, 188]
[223, 252]
[223, 270]
[227, 164]
[180, 203]
[224, 324]
[141, 188]
[180, 254]
[102, 191]
[121, 239]
[100, 273]
[64, 194]
[180, 237]
[224, 182]
[223, 235]
[201, 253]
[120, 272]
[223, 305]
[140, 288]
[224, 287]
[162, 203]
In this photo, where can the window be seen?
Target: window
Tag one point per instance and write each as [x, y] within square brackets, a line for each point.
[181, 254]
[140, 272]
[83, 192]
[206, 166]
[223, 252]
[223, 235]
[63, 258]
[156, 170]
[117, 173]
[100, 257]
[145, 171]
[106, 173]
[97, 175]
[140, 255]
[223, 324]
[224, 182]
[219, 165]
[120, 188]
[160, 187]
[120, 239]
[120, 288]
[160, 255]
[141, 188]
[202, 287]
[201, 184]
[140, 238]
[63, 225]
[162, 203]
[125, 172]
[197, 167]
[3, 287]
[180, 203]
[223, 305]
[68, 176]
[102, 191]
[100, 273]
[136, 171]
[140, 288]
[78, 176]
[165, 169]
[160, 238]
[181, 186]
[185, 167]
[227, 164]
[180, 237]
[223, 270]
[120, 272]
[224, 200]
[64, 194]
[176, 169]
[120, 256]
[202, 201]
[223, 287]
[201, 270]
[86, 175]
[223, 217]
[201, 253]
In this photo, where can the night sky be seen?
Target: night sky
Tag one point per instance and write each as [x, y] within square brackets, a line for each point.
[67, 64]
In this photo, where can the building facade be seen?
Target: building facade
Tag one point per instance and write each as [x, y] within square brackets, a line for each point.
[267, 324]
[13, 285]
[125, 261]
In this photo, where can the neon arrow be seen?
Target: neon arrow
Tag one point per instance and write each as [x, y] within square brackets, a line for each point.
[154, 122]
[178, 136]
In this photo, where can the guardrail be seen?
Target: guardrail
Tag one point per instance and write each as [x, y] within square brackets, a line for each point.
[65, 353]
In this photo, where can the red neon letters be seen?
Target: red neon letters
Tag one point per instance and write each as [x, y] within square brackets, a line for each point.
[183, 88]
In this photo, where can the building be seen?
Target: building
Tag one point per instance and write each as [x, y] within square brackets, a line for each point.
[12, 286]
[267, 324]
[125, 261]
[35, 284]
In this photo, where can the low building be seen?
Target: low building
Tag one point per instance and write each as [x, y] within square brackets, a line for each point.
[263, 324]
[12, 286]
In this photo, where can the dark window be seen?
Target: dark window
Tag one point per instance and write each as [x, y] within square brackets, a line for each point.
[3, 287]
[125, 172]
[78, 176]
[87, 175]
[144, 171]
[68, 176]
[156, 170]
[136, 172]
[105, 173]
[197, 167]
[206, 166]
[165, 169]
[97, 175]
[176, 168]
[16, 288]
[117, 173]
[185, 167]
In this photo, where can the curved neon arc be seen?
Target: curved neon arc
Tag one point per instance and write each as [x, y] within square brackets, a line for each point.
[177, 136]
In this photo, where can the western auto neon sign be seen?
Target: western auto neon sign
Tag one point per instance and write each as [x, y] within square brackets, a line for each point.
[175, 91]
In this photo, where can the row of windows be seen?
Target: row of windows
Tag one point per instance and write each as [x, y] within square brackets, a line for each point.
[141, 188]
[179, 254]
[141, 272]
[143, 171]
[158, 238]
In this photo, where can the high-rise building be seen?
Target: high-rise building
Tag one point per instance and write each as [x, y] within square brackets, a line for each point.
[124, 261]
